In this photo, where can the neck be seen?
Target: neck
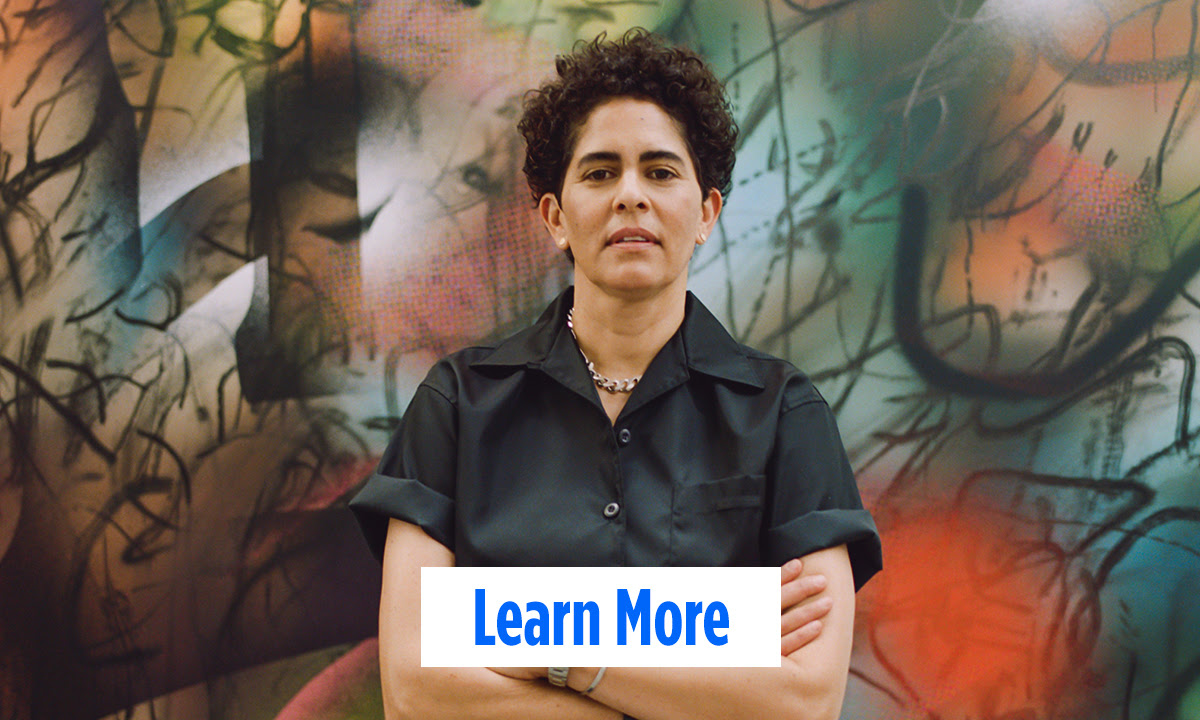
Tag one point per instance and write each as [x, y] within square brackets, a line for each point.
[622, 335]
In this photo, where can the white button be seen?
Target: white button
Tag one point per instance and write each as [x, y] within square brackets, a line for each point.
[611, 510]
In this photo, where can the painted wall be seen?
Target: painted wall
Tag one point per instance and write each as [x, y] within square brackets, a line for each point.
[235, 233]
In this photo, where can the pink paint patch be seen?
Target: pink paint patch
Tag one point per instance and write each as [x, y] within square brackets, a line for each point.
[324, 486]
[347, 688]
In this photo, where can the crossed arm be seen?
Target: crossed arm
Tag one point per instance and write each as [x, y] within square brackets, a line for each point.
[810, 682]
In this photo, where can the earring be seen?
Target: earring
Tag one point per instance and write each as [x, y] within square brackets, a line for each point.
[561, 242]
[701, 240]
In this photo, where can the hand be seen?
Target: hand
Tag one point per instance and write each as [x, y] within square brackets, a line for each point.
[801, 609]
[521, 673]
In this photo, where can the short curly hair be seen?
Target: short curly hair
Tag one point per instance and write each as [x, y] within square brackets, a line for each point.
[639, 65]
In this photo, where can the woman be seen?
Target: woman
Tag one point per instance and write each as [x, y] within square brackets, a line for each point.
[625, 427]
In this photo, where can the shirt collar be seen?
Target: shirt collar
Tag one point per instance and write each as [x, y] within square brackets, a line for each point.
[547, 345]
[710, 349]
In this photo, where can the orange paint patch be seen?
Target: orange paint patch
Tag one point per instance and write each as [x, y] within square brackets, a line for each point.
[1072, 210]
[1076, 228]
[969, 619]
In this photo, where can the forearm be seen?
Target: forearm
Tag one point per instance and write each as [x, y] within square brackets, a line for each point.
[716, 693]
[455, 693]
[412, 691]
[809, 684]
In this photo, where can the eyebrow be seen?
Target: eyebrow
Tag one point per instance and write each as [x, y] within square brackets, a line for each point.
[602, 156]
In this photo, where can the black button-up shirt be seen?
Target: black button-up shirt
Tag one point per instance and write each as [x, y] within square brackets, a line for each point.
[721, 456]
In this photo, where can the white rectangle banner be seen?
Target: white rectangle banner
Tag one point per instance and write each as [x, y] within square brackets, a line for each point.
[606, 616]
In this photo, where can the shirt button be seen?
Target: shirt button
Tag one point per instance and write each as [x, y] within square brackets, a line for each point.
[611, 510]
[624, 436]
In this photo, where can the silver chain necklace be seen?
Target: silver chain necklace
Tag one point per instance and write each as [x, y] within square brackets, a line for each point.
[604, 383]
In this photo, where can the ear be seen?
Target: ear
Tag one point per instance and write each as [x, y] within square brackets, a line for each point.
[551, 214]
[710, 210]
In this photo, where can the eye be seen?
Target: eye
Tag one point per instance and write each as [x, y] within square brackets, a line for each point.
[662, 173]
[598, 174]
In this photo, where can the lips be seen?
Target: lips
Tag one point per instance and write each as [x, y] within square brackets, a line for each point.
[632, 235]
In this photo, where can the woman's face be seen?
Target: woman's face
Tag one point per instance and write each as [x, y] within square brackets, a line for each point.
[631, 210]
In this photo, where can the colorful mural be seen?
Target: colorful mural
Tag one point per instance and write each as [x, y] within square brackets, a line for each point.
[235, 234]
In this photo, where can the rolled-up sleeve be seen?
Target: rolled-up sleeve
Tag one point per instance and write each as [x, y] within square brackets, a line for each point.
[415, 480]
[814, 501]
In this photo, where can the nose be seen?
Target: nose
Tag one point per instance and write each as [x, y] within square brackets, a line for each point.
[630, 193]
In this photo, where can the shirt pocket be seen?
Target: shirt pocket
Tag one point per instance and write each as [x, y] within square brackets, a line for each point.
[718, 522]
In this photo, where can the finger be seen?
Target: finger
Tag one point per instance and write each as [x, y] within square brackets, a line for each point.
[800, 615]
[800, 589]
[790, 570]
[800, 637]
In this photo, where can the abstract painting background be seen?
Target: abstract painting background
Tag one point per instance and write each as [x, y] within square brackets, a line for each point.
[235, 234]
